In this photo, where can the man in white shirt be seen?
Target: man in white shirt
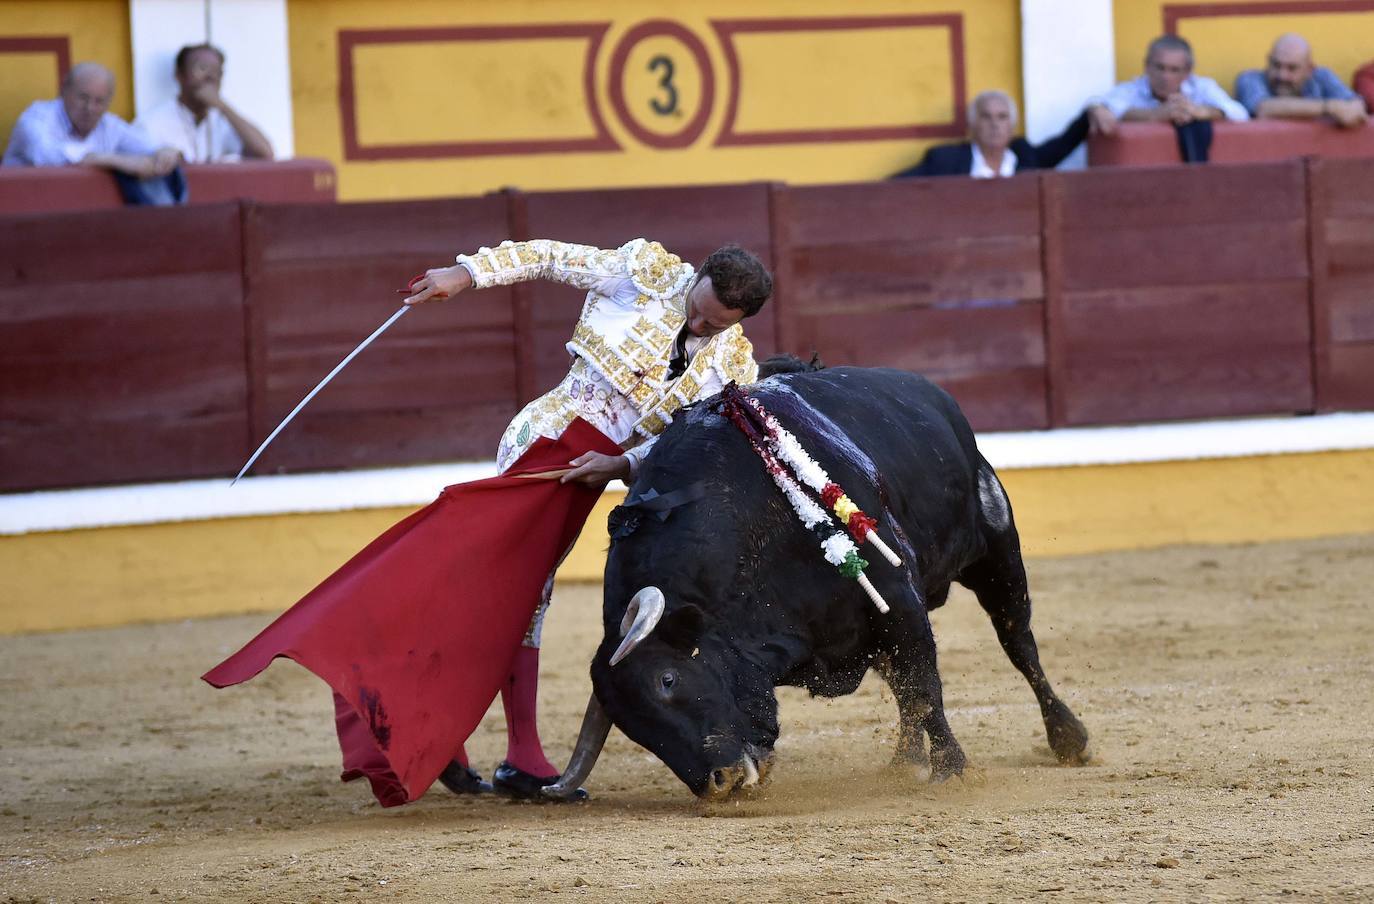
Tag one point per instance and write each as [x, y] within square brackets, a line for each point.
[198, 121]
[1168, 92]
[994, 151]
[77, 128]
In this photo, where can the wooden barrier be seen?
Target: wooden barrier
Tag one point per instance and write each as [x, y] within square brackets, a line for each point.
[121, 346]
[1342, 248]
[65, 189]
[1258, 141]
[1184, 294]
[939, 276]
[441, 385]
[161, 344]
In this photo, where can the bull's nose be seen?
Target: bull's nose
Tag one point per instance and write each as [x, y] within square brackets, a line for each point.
[722, 782]
[744, 775]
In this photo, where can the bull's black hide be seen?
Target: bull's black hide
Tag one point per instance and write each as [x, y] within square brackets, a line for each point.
[751, 603]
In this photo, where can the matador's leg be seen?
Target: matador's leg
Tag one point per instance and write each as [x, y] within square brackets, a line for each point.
[520, 693]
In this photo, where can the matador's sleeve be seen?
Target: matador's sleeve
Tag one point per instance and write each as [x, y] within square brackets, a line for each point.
[636, 268]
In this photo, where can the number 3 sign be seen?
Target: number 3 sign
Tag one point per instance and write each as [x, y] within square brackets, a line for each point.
[661, 84]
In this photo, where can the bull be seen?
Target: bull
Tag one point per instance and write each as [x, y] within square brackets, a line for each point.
[715, 594]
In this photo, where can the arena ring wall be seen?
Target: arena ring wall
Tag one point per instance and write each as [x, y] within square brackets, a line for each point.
[1028, 298]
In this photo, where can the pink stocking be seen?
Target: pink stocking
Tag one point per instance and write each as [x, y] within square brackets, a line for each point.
[519, 696]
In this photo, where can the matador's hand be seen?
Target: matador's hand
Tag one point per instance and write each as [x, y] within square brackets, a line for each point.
[596, 470]
[437, 285]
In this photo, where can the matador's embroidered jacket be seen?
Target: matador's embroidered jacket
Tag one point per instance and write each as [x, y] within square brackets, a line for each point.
[636, 305]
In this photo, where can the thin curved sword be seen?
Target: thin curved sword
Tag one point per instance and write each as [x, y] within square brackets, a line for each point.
[310, 395]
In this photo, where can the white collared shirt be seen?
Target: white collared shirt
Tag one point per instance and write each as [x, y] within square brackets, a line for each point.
[1198, 89]
[44, 136]
[981, 170]
[212, 140]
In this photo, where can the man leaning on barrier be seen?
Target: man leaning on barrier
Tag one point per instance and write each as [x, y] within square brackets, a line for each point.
[77, 128]
[1168, 92]
[1292, 87]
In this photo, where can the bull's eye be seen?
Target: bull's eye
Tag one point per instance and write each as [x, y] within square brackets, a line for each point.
[668, 679]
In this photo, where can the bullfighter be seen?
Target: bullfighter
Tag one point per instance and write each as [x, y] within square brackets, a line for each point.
[420, 629]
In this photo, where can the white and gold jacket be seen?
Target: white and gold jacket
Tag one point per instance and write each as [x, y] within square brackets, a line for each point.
[636, 305]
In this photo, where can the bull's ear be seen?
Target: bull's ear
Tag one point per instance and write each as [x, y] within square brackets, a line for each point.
[682, 627]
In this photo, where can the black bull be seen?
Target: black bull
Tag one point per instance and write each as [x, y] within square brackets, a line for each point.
[748, 602]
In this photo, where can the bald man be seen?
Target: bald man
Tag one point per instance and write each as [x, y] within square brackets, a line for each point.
[77, 128]
[1291, 87]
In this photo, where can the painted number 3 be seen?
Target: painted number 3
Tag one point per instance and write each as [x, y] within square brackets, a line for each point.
[666, 105]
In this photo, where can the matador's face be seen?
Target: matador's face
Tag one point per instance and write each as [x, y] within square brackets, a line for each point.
[706, 316]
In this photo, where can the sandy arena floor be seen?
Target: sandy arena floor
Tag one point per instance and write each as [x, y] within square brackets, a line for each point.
[1229, 692]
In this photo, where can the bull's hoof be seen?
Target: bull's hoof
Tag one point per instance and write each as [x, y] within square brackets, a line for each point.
[946, 763]
[521, 785]
[462, 779]
[1068, 738]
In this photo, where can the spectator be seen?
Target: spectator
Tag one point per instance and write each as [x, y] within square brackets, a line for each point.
[1364, 84]
[1168, 92]
[77, 127]
[1291, 87]
[198, 122]
[993, 151]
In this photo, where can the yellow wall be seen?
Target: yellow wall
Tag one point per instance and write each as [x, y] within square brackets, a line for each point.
[1225, 42]
[97, 30]
[114, 576]
[454, 89]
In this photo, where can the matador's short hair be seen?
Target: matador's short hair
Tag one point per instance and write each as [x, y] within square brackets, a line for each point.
[739, 279]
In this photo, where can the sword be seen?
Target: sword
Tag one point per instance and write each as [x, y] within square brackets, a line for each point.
[310, 395]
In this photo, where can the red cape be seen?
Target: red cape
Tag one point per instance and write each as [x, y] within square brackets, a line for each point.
[416, 633]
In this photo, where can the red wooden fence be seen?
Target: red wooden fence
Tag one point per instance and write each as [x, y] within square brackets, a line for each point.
[121, 346]
[158, 344]
[1342, 248]
[441, 385]
[1184, 294]
[939, 276]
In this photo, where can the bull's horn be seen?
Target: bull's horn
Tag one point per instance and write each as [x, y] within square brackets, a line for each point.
[643, 613]
[595, 726]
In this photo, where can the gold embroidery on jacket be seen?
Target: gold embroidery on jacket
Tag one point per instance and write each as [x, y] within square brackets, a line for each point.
[632, 354]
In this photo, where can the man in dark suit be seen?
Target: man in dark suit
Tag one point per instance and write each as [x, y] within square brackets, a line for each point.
[994, 151]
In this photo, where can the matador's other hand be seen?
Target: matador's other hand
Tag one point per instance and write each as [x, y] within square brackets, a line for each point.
[437, 285]
[596, 470]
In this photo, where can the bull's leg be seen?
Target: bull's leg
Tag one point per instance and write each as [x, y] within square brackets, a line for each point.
[911, 734]
[906, 640]
[999, 581]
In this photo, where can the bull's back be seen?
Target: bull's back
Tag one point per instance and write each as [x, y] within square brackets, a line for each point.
[916, 437]
[904, 422]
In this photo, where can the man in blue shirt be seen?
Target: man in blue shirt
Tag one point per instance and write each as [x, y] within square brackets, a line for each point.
[77, 128]
[1168, 92]
[1291, 87]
